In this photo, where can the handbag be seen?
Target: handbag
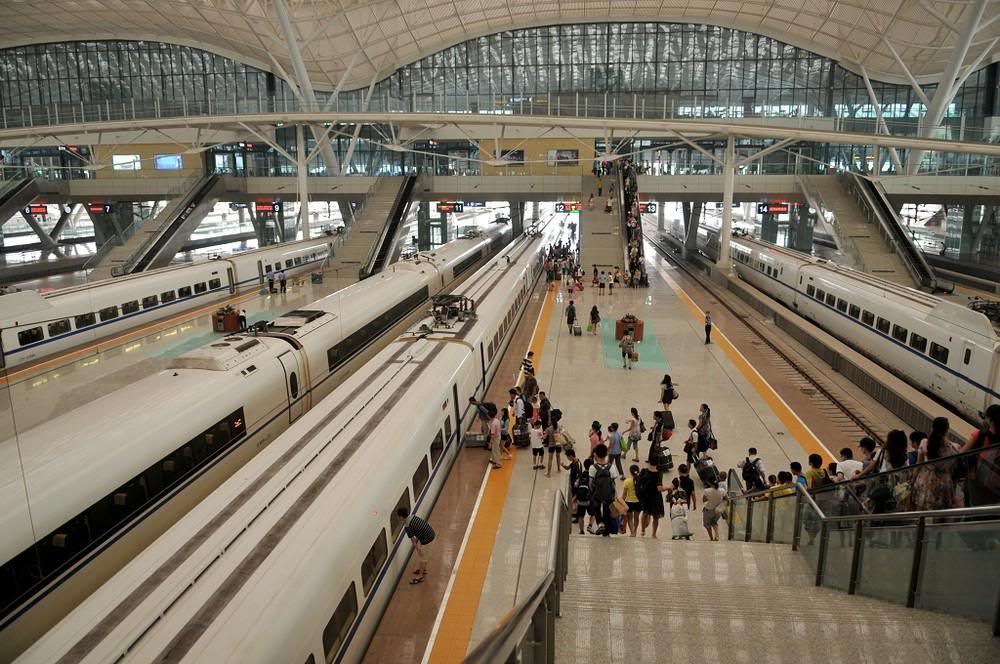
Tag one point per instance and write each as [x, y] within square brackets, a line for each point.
[713, 444]
[590, 327]
[635, 356]
[618, 506]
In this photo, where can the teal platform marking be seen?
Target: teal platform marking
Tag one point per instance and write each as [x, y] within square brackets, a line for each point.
[651, 355]
[199, 340]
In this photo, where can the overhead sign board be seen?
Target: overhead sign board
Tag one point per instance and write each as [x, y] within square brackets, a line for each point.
[563, 207]
[772, 208]
[267, 206]
[37, 208]
[100, 208]
[647, 208]
[450, 206]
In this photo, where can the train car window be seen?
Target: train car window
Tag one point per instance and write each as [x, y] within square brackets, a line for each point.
[214, 283]
[59, 327]
[882, 325]
[107, 313]
[293, 385]
[184, 291]
[288, 263]
[168, 296]
[150, 302]
[340, 623]
[868, 318]
[940, 353]
[30, 336]
[899, 333]
[298, 260]
[854, 311]
[200, 287]
[373, 562]
[447, 428]
[810, 290]
[420, 477]
[130, 307]
[831, 299]
[968, 355]
[83, 320]
[267, 268]
[918, 342]
[396, 522]
[820, 294]
[842, 305]
[437, 448]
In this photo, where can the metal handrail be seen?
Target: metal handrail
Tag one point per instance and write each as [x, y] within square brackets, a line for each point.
[815, 198]
[539, 609]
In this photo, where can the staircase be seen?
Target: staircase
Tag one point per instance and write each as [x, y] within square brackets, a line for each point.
[599, 233]
[371, 219]
[633, 600]
[855, 231]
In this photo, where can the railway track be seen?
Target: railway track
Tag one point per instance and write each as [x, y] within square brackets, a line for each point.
[830, 400]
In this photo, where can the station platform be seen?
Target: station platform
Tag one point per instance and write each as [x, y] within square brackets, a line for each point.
[639, 599]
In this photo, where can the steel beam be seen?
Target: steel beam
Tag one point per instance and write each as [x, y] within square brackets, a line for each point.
[728, 182]
[48, 243]
[881, 123]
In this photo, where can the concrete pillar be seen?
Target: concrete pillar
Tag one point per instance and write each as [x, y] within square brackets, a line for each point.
[692, 218]
[517, 216]
[660, 227]
[800, 228]
[423, 226]
[768, 228]
[302, 173]
[728, 182]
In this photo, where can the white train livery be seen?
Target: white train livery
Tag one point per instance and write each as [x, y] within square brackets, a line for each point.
[943, 348]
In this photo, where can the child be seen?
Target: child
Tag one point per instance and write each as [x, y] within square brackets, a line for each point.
[691, 444]
[679, 515]
[581, 491]
[915, 439]
[505, 440]
[537, 436]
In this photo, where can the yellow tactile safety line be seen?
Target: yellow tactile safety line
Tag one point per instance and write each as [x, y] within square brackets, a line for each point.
[451, 639]
[808, 440]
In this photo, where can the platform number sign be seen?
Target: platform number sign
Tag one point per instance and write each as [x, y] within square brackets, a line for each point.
[647, 208]
[37, 208]
[772, 208]
[100, 208]
[563, 207]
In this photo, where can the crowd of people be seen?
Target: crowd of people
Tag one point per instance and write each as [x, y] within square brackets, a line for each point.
[633, 225]
[908, 472]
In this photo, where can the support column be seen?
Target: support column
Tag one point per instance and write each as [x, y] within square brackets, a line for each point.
[424, 226]
[660, 226]
[302, 172]
[800, 228]
[64, 215]
[728, 182]
[48, 244]
[517, 217]
[769, 228]
[691, 213]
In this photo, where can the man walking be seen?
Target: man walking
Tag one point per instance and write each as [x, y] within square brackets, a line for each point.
[243, 319]
[270, 281]
[708, 327]
[421, 534]
[283, 280]
[570, 316]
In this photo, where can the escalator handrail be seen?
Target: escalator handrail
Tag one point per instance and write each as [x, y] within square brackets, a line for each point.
[376, 256]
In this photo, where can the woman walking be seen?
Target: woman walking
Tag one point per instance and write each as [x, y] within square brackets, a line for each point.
[934, 488]
[595, 319]
[705, 435]
[634, 432]
[668, 391]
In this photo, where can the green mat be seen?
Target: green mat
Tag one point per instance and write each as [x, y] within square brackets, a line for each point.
[651, 355]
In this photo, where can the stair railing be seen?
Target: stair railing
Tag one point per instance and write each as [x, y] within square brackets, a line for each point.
[815, 199]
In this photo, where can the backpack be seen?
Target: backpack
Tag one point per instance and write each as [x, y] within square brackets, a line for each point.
[491, 408]
[582, 490]
[751, 475]
[825, 479]
[529, 411]
[604, 487]
[645, 484]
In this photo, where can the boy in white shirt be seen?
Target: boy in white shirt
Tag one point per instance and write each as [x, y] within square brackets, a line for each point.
[691, 444]
[537, 435]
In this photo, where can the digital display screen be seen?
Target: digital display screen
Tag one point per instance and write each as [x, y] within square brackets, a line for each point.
[647, 208]
[563, 157]
[772, 208]
[37, 208]
[567, 206]
[101, 208]
[450, 206]
[515, 157]
[126, 162]
[168, 162]
[267, 206]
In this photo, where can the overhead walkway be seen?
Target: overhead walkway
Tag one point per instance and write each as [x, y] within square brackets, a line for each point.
[380, 254]
[351, 259]
[600, 232]
[154, 243]
[15, 196]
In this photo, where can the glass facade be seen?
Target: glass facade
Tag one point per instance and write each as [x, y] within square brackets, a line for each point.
[96, 71]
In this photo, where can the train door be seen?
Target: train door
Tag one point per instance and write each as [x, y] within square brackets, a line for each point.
[232, 279]
[294, 386]
[966, 392]
[260, 272]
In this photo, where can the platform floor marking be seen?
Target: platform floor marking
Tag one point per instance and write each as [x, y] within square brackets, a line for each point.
[809, 441]
[450, 637]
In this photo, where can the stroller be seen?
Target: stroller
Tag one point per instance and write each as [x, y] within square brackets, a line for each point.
[679, 516]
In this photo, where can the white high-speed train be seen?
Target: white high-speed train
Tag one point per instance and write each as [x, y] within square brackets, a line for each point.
[35, 326]
[947, 350]
[111, 466]
[295, 557]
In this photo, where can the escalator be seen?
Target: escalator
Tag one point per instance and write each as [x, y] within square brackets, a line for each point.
[15, 195]
[381, 250]
[871, 195]
[179, 222]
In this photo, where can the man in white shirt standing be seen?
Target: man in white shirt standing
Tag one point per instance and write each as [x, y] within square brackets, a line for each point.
[848, 465]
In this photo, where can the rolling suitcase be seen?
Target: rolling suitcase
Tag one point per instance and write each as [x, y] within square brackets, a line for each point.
[679, 523]
[577, 331]
[475, 440]
[665, 461]
[707, 471]
[521, 438]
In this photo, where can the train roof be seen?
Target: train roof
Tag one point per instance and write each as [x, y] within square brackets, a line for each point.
[220, 355]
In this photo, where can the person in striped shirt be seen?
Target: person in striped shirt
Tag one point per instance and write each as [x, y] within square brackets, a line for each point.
[421, 534]
[528, 364]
